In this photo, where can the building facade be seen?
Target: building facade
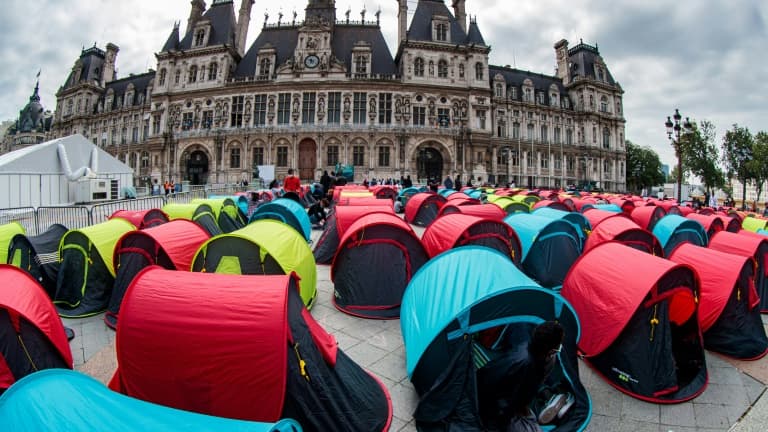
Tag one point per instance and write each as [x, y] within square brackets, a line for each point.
[325, 91]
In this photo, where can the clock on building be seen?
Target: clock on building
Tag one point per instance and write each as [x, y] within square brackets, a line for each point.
[311, 61]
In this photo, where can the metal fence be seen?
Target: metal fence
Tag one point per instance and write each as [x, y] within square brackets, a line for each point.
[37, 221]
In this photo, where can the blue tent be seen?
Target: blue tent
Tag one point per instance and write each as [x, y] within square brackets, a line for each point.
[448, 305]
[672, 230]
[763, 232]
[474, 193]
[62, 400]
[405, 194]
[577, 219]
[287, 211]
[550, 246]
[607, 207]
[447, 192]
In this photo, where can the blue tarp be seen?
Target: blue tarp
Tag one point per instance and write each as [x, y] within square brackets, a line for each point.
[671, 230]
[62, 400]
[287, 211]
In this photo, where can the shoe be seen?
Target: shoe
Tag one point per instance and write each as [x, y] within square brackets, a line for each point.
[569, 401]
[552, 408]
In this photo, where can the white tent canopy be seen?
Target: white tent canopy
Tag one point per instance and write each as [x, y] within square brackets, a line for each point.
[54, 172]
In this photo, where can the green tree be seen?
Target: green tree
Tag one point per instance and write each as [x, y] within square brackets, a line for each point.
[737, 153]
[700, 155]
[643, 167]
[759, 163]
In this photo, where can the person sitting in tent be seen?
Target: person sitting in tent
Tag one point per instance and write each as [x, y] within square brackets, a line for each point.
[509, 384]
[316, 212]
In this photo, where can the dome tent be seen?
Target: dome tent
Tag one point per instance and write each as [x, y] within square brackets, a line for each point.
[39, 256]
[287, 211]
[201, 214]
[451, 300]
[23, 410]
[643, 339]
[728, 313]
[455, 230]
[422, 209]
[624, 231]
[672, 230]
[752, 246]
[279, 362]
[142, 218]
[339, 220]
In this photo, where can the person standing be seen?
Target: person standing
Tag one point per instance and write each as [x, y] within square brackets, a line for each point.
[325, 181]
[292, 183]
[448, 183]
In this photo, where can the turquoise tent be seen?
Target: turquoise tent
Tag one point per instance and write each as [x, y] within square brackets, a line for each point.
[60, 400]
[671, 230]
[577, 219]
[449, 304]
[287, 211]
[550, 246]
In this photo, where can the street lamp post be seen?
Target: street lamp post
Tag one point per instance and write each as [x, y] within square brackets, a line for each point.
[674, 130]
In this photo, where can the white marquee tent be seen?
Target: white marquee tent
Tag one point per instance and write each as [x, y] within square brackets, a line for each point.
[60, 172]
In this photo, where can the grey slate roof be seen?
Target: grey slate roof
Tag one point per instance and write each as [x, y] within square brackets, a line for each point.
[92, 61]
[421, 24]
[44, 158]
[173, 40]
[223, 24]
[284, 40]
[140, 84]
[516, 77]
[582, 58]
[475, 37]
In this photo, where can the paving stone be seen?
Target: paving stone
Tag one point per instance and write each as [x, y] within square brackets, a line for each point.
[724, 375]
[711, 416]
[678, 415]
[754, 388]
[601, 423]
[390, 366]
[404, 400]
[386, 340]
[630, 425]
[633, 409]
[606, 402]
[365, 354]
[723, 394]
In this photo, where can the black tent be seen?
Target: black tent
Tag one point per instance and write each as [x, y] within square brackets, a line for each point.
[39, 255]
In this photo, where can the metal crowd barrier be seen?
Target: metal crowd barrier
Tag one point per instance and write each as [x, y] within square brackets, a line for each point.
[26, 216]
[72, 217]
[101, 212]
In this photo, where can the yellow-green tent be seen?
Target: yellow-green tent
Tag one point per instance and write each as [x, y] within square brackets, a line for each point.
[7, 232]
[754, 224]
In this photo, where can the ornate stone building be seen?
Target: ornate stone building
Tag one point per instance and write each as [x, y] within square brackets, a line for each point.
[310, 94]
[32, 127]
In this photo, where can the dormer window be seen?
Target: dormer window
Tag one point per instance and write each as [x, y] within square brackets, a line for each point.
[441, 31]
[442, 69]
[361, 64]
[600, 74]
[199, 37]
[527, 95]
[264, 67]
[418, 67]
[499, 90]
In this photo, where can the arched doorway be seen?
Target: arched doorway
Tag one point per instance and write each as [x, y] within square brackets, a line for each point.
[197, 168]
[429, 164]
[307, 159]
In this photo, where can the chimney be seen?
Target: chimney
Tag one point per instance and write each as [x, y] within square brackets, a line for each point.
[243, 21]
[563, 61]
[108, 72]
[198, 7]
[459, 11]
[402, 20]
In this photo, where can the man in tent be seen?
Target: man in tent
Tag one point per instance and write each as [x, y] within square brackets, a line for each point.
[316, 212]
[509, 384]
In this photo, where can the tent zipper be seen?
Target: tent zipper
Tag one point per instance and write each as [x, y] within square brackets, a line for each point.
[302, 363]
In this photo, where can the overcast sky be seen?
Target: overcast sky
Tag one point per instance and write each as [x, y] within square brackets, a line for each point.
[707, 57]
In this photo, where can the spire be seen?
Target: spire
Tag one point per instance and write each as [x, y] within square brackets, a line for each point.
[173, 39]
[243, 21]
[323, 9]
[36, 95]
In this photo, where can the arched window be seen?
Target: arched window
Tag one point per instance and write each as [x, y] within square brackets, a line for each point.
[600, 74]
[213, 71]
[265, 66]
[461, 71]
[603, 104]
[499, 90]
[199, 37]
[606, 138]
[479, 69]
[161, 79]
[418, 67]
[177, 78]
[234, 158]
[442, 69]
[192, 74]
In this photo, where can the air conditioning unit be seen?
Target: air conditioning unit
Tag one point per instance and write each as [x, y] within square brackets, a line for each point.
[92, 190]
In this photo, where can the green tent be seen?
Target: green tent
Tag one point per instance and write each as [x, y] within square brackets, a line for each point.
[201, 214]
[7, 232]
[510, 205]
[226, 211]
[87, 274]
[754, 224]
[264, 247]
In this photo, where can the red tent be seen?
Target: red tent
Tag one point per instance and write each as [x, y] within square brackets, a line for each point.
[557, 205]
[647, 216]
[384, 243]
[596, 216]
[624, 231]
[384, 192]
[490, 211]
[31, 334]
[461, 199]
[142, 218]
[627, 205]
[172, 246]
[454, 230]
[338, 222]
[755, 247]
[639, 324]
[728, 312]
[242, 347]
[423, 208]
[363, 201]
[711, 224]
